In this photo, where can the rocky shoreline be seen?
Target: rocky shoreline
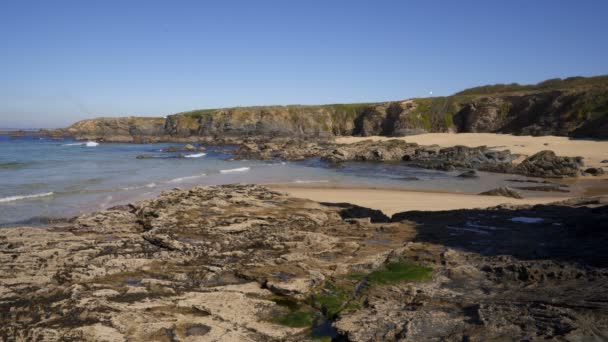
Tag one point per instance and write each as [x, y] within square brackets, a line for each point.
[241, 262]
[544, 164]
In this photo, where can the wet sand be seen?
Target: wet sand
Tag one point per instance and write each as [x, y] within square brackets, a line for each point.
[594, 152]
[392, 201]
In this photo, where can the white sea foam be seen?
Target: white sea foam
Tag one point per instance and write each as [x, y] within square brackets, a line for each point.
[304, 181]
[181, 179]
[240, 169]
[23, 197]
[150, 185]
[91, 143]
[522, 219]
[74, 144]
[196, 155]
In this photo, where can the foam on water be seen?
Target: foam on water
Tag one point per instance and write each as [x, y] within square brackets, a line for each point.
[91, 144]
[24, 197]
[195, 155]
[181, 179]
[239, 169]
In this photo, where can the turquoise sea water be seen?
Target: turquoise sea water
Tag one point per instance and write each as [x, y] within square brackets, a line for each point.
[44, 178]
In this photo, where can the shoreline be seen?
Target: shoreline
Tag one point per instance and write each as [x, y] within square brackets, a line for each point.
[392, 201]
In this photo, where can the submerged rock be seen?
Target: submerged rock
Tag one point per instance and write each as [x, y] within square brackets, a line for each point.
[144, 156]
[502, 191]
[468, 174]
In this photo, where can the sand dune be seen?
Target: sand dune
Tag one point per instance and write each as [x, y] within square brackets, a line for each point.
[594, 152]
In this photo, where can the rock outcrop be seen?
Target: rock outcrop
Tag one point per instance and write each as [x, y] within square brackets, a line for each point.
[542, 164]
[243, 263]
[547, 164]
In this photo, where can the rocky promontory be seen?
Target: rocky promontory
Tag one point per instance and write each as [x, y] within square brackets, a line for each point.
[243, 263]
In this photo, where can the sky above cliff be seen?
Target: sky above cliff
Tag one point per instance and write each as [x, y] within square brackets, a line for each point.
[63, 61]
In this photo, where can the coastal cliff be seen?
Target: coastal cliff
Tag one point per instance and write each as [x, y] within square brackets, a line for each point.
[575, 107]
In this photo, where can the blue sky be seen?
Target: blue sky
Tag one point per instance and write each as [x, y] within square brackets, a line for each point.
[61, 61]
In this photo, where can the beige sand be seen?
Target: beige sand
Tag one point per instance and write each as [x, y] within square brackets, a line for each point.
[392, 201]
[593, 151]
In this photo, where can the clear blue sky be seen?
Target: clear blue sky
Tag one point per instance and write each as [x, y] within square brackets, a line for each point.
[63, 61]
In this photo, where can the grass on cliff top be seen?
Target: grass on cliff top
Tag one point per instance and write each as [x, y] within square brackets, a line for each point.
[573, 83]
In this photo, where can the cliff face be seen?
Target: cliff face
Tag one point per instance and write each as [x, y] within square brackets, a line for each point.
[576, 107]
[128, 129]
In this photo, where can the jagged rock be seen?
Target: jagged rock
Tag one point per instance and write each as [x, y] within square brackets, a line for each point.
[502, 191]
[547, 164]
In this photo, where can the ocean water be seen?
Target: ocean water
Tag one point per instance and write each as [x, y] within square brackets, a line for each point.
[42, 178]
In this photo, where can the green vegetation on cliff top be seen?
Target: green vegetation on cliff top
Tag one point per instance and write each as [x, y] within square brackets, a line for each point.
[352, 109]
[570, 83]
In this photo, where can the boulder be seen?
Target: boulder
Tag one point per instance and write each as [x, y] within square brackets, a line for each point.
[546, 164]
[144, 156]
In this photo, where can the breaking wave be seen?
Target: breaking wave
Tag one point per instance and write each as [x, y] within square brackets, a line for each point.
[181, 179]
[240, 169]
[23, 197]
[196, 155]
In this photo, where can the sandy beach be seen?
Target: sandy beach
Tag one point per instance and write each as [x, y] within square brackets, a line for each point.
[392, 201]
[594, 152]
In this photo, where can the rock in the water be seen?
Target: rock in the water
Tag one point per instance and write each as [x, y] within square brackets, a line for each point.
[410, 178]
[595, 171]
[144, 156]
[468, 174]
[547, 164]
[185, 148]
[502, 191]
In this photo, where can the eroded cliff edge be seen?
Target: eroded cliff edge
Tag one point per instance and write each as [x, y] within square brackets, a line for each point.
[576, 107]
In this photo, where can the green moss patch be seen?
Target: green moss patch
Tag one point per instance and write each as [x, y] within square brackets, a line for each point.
[295, 319]
[399, 272]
